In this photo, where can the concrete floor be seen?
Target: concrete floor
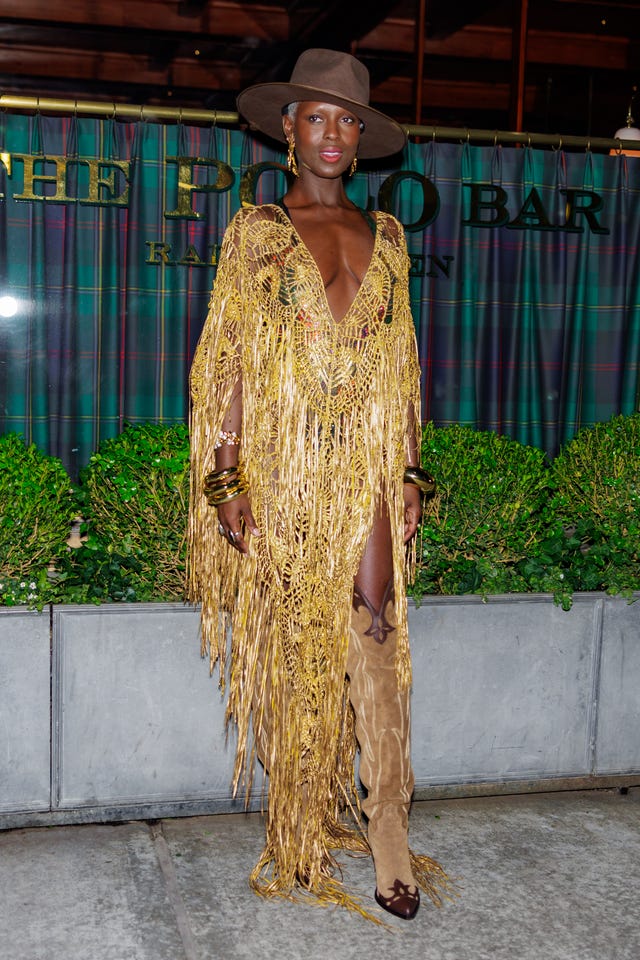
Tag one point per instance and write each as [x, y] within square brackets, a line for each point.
[542, 877]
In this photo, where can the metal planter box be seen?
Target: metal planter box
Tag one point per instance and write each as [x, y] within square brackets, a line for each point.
[109, 712]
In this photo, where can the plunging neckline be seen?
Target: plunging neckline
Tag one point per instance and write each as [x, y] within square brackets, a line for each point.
[371, 223]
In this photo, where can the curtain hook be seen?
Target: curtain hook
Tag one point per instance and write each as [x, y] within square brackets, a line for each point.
[495, 140]
[559, 147]
[588, 147]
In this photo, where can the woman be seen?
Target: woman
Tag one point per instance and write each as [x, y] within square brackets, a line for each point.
[305, 430]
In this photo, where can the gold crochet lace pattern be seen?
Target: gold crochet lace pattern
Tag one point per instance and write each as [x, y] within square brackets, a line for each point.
[324, 438]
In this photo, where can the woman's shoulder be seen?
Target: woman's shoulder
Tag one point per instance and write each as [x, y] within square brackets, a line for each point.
[251, 214]
[393, 245]
[248, 223]
[390, 227]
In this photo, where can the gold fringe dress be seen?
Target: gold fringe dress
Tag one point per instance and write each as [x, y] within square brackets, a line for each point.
[324, 437]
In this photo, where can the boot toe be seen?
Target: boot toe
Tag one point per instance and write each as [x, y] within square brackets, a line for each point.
[403, 902]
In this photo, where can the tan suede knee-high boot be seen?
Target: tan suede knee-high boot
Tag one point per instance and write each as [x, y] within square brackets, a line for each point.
[382, 712]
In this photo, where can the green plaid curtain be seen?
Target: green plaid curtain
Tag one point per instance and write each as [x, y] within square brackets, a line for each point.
[524, 277]
[535, 331]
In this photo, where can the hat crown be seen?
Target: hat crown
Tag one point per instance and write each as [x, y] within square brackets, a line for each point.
[332, 71]
[324, 76]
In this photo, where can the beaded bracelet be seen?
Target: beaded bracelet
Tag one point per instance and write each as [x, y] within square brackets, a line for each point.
[228, 437]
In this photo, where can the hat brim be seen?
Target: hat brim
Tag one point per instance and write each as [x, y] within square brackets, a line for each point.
[263, 103]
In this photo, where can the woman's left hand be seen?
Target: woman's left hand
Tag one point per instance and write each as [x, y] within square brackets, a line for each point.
[412, 510]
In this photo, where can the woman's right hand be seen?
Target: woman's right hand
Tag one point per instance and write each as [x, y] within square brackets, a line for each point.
[234, 518]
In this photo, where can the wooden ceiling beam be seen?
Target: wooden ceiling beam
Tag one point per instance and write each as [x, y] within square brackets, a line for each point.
[463, 95]
[480, 42]
[271, 23]
[113, 67]
[329, 24]
[224, 18]
[338, 24]
[74, 65]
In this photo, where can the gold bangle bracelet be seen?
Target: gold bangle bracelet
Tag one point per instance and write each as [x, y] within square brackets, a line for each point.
[421, 479]
[215, 476]
[239, 483]
[223, 484]
[218, 501]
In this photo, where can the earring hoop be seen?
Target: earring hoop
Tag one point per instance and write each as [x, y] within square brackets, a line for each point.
[292, 166]
[354, 166]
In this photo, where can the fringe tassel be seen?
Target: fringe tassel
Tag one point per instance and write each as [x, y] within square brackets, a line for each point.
[432, 879]
[327, 893]
[325, 420]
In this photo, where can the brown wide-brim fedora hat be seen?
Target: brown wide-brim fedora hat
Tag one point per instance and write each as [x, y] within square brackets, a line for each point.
[324, 76]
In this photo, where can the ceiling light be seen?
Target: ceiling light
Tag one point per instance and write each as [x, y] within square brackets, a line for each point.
[630, 131]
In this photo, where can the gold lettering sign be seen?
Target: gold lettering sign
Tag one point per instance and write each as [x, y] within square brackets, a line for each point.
[102, 189]
[249, 181]
[160, 253]
[32, 176]
[186, 187]
[388, 202]
[46, 179]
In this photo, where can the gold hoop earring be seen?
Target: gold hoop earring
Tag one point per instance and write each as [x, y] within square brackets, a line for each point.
[353, 167]
[292, 166]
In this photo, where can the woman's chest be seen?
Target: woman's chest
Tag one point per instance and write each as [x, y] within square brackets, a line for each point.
[337, 304]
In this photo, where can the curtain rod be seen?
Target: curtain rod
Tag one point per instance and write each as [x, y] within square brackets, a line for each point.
[128, 111]
[115, 111]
